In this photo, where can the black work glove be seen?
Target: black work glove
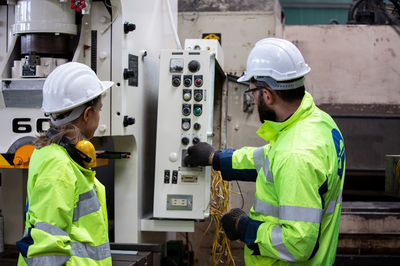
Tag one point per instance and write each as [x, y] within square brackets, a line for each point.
[198, 155]
[230, 223]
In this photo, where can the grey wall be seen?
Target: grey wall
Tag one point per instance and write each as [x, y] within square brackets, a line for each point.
[350, 64]
[225, 5]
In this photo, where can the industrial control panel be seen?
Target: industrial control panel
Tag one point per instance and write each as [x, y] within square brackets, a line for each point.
[185, 117]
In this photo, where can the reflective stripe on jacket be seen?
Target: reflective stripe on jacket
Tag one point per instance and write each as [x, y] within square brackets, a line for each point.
[66, 217]
[300, 176]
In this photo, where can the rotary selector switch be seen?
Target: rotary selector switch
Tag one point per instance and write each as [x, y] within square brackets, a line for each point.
[185, 140]
[195, 140]
[176, 80]
[194, 66]
[187, 80]
[196, 126]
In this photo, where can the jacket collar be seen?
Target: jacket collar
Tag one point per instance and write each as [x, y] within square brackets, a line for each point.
[270, 130]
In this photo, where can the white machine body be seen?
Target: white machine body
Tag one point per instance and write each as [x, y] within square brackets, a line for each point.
[129, 107]
[185, 117]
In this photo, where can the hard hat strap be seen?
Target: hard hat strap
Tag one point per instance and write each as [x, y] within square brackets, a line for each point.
[71, 117]
[281, 85]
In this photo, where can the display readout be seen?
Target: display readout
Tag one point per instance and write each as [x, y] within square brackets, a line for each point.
[176, 65]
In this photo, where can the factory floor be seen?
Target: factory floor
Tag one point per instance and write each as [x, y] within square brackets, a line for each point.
[10, 258]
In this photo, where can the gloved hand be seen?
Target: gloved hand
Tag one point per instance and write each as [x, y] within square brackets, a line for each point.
[230, 223]
[198, 155]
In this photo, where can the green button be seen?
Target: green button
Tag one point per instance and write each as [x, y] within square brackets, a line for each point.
[197, 111]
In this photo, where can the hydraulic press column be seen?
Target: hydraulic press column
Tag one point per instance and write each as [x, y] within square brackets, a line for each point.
[185, 109]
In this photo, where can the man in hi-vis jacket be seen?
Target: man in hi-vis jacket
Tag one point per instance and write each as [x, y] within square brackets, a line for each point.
[299, 174]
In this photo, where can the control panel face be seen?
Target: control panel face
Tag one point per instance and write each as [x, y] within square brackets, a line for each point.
[185, 109]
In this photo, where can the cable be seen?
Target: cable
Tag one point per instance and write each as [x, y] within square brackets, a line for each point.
[219, 203]
[107, 4]
[174, 30]
[241, 194]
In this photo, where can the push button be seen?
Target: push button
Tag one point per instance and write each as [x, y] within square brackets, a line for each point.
[198, 80]
[186, 124]
[198, 95]
[187, 95]
[197, 109]
[186, 109]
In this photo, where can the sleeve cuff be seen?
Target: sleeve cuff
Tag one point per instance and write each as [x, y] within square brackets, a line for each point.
[248, 229]
[248, 233]
[215, 161]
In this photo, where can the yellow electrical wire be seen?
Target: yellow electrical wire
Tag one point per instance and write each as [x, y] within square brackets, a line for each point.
[219, 204]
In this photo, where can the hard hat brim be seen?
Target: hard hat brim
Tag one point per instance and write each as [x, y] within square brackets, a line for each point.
[244, 78]
[107, 84]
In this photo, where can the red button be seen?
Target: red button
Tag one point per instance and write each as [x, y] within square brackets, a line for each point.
[199, 82]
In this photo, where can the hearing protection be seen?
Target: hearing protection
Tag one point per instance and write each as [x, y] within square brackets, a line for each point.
[82, 153]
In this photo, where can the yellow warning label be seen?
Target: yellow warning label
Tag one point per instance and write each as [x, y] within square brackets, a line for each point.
[212, 36]
[3, 161]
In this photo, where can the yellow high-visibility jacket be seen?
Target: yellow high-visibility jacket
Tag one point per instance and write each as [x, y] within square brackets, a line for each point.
[66, 216]
[299, 182]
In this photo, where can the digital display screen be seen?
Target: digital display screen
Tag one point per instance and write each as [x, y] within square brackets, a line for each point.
[176, 65]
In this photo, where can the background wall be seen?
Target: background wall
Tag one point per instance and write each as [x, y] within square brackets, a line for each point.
[350, 64]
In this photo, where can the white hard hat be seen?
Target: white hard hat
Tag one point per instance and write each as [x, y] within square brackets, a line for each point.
[71, 85]
[276, 59]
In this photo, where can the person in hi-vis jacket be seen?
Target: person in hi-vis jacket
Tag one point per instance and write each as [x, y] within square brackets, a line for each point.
[298, 174]
[66, 216]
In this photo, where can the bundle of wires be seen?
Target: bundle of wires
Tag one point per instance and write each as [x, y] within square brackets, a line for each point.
[219, 204]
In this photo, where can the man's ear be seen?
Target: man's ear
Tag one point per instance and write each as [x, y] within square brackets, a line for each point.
[268, 95]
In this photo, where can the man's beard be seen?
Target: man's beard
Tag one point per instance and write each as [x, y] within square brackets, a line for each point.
[264, 111]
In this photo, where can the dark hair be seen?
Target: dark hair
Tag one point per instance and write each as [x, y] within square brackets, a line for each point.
[291, 95]
[70, 130]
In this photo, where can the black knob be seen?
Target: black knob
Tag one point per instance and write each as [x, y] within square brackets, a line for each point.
[128, 121]
[196, 140]
[187, 82]
[185, 141]
[129, 73]
[186, 111]
[194, 66]
[176, 82]
[129, 27]
[198, 96]
[196, 126]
